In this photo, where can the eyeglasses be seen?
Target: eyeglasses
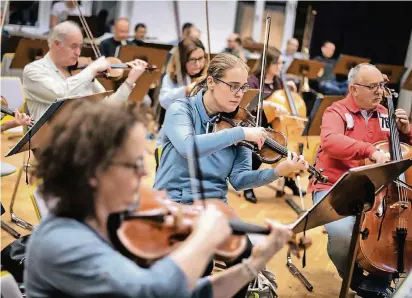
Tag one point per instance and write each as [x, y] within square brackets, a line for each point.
[138, 166]
[236, 87]
[373, 87]
[194, 60]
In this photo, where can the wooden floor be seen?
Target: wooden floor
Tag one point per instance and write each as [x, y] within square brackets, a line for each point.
[319, 270]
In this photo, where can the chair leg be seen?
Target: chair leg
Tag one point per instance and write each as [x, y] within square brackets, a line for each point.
[14, 218]
[10, 230]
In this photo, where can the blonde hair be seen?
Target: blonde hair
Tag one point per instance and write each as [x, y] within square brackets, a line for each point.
[217, 69]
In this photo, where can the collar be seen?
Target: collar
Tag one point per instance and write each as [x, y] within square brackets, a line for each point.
[350, 103]
[201, 107]
[51, 64]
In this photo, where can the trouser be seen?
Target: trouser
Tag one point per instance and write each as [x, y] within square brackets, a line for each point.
[339, 238]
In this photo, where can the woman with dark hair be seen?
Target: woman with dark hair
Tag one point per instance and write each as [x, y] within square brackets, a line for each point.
[91, 168]
[189, 121]
[185, 66]
[272, 82]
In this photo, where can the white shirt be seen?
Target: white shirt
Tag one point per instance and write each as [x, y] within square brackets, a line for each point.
[61, 11]
[43, 83]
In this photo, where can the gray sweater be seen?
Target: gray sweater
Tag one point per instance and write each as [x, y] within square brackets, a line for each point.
[66, 258]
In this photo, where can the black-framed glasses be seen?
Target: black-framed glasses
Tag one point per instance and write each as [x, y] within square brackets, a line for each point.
[194, 60]
[373, 87]
[137, 166]
[235, 87]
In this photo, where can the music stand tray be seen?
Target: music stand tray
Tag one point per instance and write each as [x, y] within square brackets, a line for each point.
[27, 50]
[306, 68]
[248, 97]
[153, 56]
[38, 135]
[346, 62]
[394, 72]
[354, 191]
[407, 85]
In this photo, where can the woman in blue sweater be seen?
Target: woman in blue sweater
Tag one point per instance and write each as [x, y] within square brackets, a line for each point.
[189, 121]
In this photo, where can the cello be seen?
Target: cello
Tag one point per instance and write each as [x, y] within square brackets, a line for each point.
[386, 245]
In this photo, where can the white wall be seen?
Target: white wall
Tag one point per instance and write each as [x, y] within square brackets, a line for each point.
[222, 18]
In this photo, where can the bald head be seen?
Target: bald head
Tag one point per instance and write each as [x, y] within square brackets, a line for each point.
[292, 46]
[61, 31]
[234, 42]
[121, 29]
[362, 73]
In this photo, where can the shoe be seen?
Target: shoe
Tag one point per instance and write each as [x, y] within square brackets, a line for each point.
[250, 196]
[293, 187]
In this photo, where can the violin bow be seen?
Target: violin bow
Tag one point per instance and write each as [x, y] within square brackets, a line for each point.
[207, 31]
[263, 71]
[176, 53]
[3, 20]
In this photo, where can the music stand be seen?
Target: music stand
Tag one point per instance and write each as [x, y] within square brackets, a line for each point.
[349, 196]
[407, 85]
[90, 20]
[29, 50]
[39, 134]
[160, 46]
[315, 118]
[394, 72]
[251, 63]
[306, 68]
[346, 62]
[153, 56]
[248, 97]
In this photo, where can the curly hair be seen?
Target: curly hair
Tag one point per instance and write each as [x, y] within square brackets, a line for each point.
[84, 140]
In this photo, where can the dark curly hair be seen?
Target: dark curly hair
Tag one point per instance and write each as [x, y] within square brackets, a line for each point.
[84, 140]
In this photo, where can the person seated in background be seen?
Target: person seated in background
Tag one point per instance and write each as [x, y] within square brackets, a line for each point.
[181, 75]
[327, 82]
[234, 47]
[110, 47]
[51, 77]
[272, 83]
[139, 34]
[62, 9]
[291, 52]
[188, 30]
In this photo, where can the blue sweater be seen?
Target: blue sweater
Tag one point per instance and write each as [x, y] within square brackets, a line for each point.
[185, 123]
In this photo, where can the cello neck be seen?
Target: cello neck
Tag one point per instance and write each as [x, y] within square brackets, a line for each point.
[395, 144]
[291, 102]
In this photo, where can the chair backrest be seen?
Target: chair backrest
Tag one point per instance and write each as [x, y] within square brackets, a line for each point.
[12, 90]
[39, 204]
[9, 286]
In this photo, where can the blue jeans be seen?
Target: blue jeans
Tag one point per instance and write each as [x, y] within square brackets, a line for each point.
[333, 87]
[339, 237]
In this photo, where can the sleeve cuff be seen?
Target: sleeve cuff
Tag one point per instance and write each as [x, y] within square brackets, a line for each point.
[370, 150]
[237, 134]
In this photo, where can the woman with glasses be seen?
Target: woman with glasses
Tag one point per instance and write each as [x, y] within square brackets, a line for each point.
[91, 168]
[186, 65]
[189, 123]
[272, 83]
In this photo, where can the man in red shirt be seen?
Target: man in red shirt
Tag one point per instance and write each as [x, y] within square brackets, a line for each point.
[349, 130]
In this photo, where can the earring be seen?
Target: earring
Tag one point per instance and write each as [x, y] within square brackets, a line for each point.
[93, 182]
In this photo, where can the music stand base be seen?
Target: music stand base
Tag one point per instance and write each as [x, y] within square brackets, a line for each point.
[353, 249]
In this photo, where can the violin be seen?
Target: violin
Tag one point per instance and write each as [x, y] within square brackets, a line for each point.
[7, 111]
[275, 144]
[116, 71]
[159, 225]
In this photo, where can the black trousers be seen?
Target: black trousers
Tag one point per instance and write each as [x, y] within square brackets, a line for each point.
[246, 254]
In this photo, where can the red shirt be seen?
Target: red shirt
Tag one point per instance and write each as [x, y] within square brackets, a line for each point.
[347, 138]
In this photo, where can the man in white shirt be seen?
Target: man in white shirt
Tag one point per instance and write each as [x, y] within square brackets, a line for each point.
[50, 78]
[62, 9]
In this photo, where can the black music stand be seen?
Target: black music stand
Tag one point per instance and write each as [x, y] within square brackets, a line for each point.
[29, 50]
[346, 62]
[306, 68]
[160, 46]
[394, 72]
[90, 20]
[407, 85]
[250, 95]
[350, 196]
[39, 134]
